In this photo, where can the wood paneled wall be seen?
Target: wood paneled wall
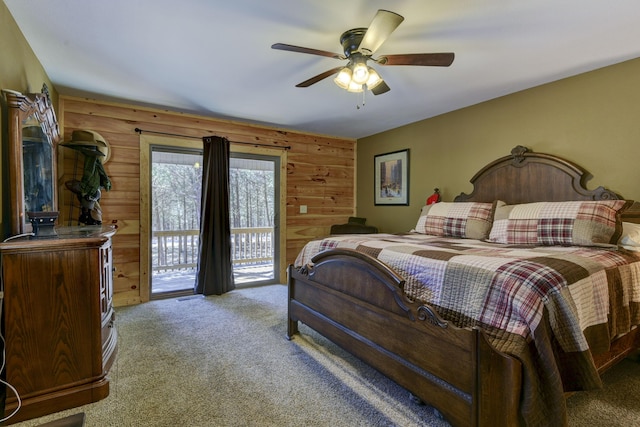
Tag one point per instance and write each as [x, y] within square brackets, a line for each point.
[320, 174]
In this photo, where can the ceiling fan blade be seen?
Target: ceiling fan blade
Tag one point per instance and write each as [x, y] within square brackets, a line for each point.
[381, 88]
[319, 77]
[429, 59]
[291, 48]
[383, 24]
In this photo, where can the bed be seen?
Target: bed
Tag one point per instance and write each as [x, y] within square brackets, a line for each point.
[496, 327]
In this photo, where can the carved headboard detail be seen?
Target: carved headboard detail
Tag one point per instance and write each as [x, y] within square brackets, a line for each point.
[525, 177]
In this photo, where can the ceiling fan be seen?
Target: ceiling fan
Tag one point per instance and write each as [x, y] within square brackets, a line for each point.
[359, 44]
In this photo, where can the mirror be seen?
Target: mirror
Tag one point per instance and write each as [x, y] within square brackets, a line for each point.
[33, 138]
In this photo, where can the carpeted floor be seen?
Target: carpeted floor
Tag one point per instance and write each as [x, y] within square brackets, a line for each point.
[224, 361]
[75, 420]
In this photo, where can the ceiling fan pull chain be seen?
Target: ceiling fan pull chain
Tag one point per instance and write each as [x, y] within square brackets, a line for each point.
[364, 91]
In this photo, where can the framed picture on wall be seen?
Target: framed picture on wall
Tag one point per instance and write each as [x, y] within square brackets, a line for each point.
[391, 178]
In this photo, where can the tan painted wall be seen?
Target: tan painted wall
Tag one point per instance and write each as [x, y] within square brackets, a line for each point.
[319, 173]
[21, 71]
[592, 119]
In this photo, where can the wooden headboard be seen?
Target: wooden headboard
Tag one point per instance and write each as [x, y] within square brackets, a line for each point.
[525, 177]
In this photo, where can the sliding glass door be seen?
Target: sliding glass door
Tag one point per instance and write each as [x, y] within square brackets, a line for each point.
[176, 178]
[176, 184]
[254, 194]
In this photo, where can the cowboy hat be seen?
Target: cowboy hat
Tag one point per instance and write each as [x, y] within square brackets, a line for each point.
[89, 143]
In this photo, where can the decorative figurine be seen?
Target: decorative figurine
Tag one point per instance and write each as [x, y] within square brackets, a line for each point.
[96, 152]
[435, 197]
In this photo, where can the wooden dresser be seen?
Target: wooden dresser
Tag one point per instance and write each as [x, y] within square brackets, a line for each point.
[58, 314]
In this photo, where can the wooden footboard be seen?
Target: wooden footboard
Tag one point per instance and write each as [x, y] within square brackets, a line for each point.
[357, 302]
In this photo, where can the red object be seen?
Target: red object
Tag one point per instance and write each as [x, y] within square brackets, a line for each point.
[434, 198]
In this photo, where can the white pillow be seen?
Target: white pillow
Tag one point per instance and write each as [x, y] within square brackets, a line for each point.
[630, 238]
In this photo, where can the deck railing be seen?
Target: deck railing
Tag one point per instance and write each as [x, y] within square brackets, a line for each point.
[179, 249]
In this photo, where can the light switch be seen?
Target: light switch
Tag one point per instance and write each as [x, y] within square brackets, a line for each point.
[303, 208]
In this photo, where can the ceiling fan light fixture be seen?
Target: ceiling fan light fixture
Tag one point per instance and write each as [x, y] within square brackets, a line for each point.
[360, 73]
[355, 87]
[374, 79]
[359, 44]
[343, 78]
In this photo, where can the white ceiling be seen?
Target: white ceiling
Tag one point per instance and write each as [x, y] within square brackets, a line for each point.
[214, 58]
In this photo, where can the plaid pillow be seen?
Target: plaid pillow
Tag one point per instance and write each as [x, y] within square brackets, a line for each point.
[579, 223]
[468, 220]
[630, 238]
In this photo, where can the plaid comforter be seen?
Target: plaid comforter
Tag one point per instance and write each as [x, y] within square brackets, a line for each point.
[549, 306]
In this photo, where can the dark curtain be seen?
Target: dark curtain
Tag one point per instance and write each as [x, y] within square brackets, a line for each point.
[215, 268]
